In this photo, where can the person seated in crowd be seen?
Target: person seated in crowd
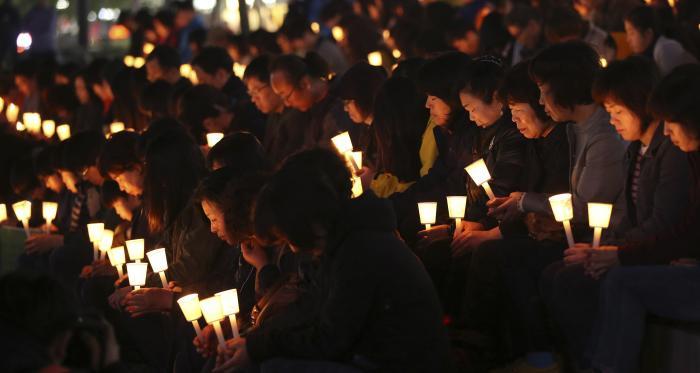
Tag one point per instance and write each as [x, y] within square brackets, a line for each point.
[186, 22]
[655, 195]
[157, 101]
[284, 127]
[657, 274]
[90, 114]
[564, 24]
[25, 75]
[463, 37]
[315, 215]
[302, 40]
[238, 151]
[163, 63]
[645, 38]
[303, 84]
[526, 26]
[204, 109]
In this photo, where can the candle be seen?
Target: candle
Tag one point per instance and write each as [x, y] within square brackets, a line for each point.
[32, 121]
[239, 70]
[49, 128]
[105, 242]
[213, 314]
[129, 61]
[338, 33]
[189, 304]
[427, 212]
[12, 112]
[357, 189]
[2, 103]
[49, 210]
[135, 249]
[117, 257]
[137, 274]
[480, 174]
[229, 307]
[598, 218]
[603, 62]
[357, 157]
[20, 127]
[375, 58]
[342, 142]
[115, 127]
[139, 62]
[563, 211]
[63, 131]
[386, 34]
[3, 212]
[213, 138]
[23, 211]
[315, 27]
[396, 53]
[148, 48]
[159, 263]
[95, 234]
[457, 206]
[185, 70]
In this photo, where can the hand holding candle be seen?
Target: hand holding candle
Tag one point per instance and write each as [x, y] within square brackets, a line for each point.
[598, 218]
[23, 211]
[229, 307]
[137, 274]
[49, 210]
[427, 212]
[563, 210]
[189, 304]
[117, 257]
[135, 249]
[213, 314]
[159, 263]
[481, 176]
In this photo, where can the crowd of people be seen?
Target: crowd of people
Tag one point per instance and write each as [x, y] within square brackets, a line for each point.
[296, 167]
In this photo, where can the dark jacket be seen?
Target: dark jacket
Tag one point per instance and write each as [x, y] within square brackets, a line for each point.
[378, 305]
[285, 134]
[546, 171]
[662, 188]
[679, 241]
[327, 118]
[503, 149]
[88, 117]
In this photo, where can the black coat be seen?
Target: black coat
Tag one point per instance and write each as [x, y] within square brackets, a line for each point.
[378, 306]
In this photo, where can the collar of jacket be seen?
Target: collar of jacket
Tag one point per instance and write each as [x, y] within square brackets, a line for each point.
[656, 141]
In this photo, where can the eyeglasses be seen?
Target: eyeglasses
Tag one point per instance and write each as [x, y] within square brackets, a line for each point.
[256, 91]
[290, 94]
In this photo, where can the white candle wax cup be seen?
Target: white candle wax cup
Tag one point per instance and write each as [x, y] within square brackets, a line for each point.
[598, 219]
[342, 142]
[315, 27]
[49, 210]
[159, 263]
[213, 138]
[239, 70]
[23, 211]
[481, 176]
[148, 48]
[139, 62]
[2, 104]
[117, 257]
[229, 307]
[135, 249]
[563, 211]
[357, 157]
[427, 212]
[49, 128]
[95, 235]
[32, 121]
[357, 189]
[63, 131]
[213, 314]
[457, 206]
[396, 53]
[185, 70]
[189, 304]
[12, 113]
[20, 127]
[106, 242]
[338, 33]
[3, 212]
[116, 127]
[137, 274]
[375, 58]
[129, 61]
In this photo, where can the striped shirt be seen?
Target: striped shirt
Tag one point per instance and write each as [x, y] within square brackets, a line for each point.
[637, 171]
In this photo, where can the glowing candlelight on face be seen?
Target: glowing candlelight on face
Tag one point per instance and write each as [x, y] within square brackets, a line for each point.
[49, 128]
[129, 61]
[229, 307]
[338, 33]
[23, 211]
[139, 62]
[12, 113]
[189, 304]
[3, 212]
[159, 263]
[117, 257]
[137, 274]
[563, 212]
[598, 218]
[457, 206]
[49, 210]
[135, 249]
[116, 127]
[239, 70]
[213, 138]
[375, 58]
[63, 131]
[480, 174]
[95, 235]
[213, 314]
[32, 121]
[106, 242]
[148, 48]
[427, 212]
